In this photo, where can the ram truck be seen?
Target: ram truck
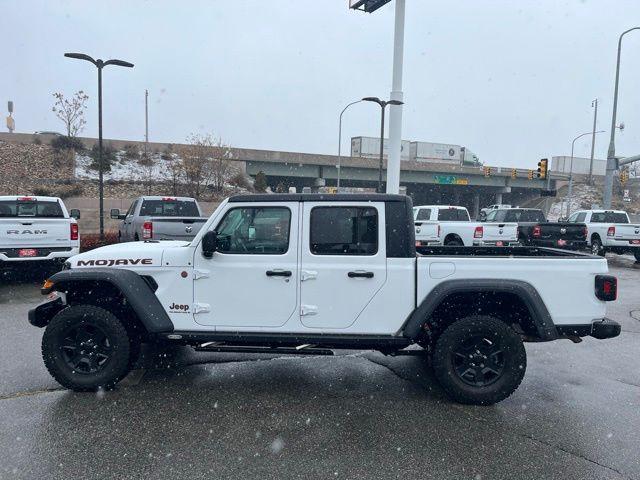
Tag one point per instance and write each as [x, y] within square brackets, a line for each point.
[609, 231]
[159, 218]
[451, 226]
[534, 230]
[36, 230]
[313, 273]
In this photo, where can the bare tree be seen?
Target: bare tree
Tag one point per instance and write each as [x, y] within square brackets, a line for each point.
[205, 161]
[71, 112]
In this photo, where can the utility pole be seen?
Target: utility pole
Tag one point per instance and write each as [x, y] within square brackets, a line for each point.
[395, 111]
[593, 139]
[146, 122]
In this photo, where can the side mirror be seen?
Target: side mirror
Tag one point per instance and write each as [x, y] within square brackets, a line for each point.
[115, 214]
[75, 213]
[209, 243]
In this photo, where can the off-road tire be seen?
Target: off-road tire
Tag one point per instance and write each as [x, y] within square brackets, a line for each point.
[115, 367]
[446, 360]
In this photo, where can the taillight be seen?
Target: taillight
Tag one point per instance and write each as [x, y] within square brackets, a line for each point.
[606, 288]
[479, 231]
[147, 230]
[74, 231]
[611, 231]
[537, 231]
[585, 232]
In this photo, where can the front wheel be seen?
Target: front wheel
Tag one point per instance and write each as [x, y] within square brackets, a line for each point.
[636, 254]
[479, 360]
[85, 348]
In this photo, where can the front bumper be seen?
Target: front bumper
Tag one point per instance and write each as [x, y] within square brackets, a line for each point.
[40, 315]
[600, 329]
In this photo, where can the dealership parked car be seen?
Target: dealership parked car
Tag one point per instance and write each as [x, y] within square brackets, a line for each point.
[159, 218]
[609, 231]
[533, 228]
[37, 229]
[309, 274]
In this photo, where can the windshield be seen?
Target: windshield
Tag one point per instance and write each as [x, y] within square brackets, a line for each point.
[514, 215]
[38, 209]
[453, 215]
[609, 217]
[169, 208]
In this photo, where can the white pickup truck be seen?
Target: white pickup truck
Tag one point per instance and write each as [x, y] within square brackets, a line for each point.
[609, 231]
[37, 229]
[309, 274]
[451, 225]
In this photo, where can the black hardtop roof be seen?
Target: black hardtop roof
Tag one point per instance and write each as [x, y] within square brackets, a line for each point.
[320, 197]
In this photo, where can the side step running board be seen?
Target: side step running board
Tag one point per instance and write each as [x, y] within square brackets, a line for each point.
[300, 350]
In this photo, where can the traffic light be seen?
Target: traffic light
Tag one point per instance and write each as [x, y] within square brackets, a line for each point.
[514, 173]
[542, 168]
[530, 175]
[487, 171]
[624, 176]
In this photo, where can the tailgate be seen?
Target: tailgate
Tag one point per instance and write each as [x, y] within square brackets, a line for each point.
[563, 231]
[426, 230]
[34, 232]
[627, 231]
[176, 228]
[499, 231]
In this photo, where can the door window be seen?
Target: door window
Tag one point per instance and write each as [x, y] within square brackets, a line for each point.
[344, 231]
[255, 230]
[580, 218]
[424, 214]
[132, 209]
[491, 216]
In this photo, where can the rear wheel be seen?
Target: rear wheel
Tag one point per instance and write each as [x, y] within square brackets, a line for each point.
[454, 242]
[636, 254]
[86, 347]
[596, 247]
[479, 360]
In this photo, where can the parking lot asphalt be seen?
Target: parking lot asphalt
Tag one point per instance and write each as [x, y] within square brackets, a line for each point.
[184, 414]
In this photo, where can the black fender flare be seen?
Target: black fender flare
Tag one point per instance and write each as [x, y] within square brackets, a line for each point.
[139, 295]
[525, 291]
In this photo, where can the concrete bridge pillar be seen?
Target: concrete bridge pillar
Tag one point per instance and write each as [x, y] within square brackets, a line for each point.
[498, 198]
[476, 206]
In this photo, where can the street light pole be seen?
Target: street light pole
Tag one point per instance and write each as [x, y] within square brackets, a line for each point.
[339, 165]
[569, 193]
[100, 64]
[593, 139]
[383, 104]
[611, 153]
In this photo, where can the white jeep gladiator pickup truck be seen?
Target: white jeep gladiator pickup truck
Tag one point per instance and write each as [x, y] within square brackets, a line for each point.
[36, 229]
[308, 274]
[609, 231]
[451, 225]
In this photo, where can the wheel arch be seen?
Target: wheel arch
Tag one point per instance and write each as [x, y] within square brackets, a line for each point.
[495, 290]
[453, 236]
[137, 292]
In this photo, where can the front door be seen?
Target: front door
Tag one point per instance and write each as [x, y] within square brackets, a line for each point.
[343, 262]
[251, 281]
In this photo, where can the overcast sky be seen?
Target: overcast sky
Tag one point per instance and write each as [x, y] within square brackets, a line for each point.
[511, 80]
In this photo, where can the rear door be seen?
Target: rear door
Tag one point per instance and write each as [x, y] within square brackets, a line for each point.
[343, 261]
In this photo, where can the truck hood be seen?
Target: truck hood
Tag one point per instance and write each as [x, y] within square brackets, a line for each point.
[131, 254]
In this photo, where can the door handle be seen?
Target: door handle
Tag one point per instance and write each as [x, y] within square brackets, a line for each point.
[278, 273]
[360, 274]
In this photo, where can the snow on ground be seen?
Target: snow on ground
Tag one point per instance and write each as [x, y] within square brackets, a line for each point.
[126, 169]
[583, 196]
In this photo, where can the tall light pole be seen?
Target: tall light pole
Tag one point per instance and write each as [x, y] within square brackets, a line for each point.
[339, 165]
[146, 123]
[100, 64]
[611, 153]
[569, 193]
[383, 104]
[395, 120]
